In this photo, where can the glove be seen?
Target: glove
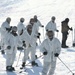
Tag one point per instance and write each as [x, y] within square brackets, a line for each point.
[23, 41]
[24, 44]
[56, 54]
[38, 36]
[57, 30]
[8, 29]
[42, 26]
[20, 48]
[8, 47]
[47, 30]
[71, 29]
[45, 53]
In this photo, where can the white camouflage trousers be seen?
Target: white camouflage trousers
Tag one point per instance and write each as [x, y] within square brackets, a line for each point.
[26, 54]
[49, 68]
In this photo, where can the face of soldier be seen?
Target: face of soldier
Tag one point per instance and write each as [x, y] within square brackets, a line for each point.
[29, 29]
[22, 20]
[50, 34]
[53, 19]
[32, 21]
[35, 18]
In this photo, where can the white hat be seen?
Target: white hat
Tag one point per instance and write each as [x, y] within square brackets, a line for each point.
[53, 17]
[51, 29]
[22, 19]
[8, 19]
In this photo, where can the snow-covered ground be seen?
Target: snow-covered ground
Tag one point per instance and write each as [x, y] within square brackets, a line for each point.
[44, 9]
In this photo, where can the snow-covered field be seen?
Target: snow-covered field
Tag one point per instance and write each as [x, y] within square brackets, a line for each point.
[44, 9]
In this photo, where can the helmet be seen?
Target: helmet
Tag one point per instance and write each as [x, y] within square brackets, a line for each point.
[22, 19]
[51, 29]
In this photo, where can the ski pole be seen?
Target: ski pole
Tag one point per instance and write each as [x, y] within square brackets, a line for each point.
[72, 36]
[30, 62]
[18, 58]
[43, 31]
[57, 34]
[36, 59]
[39, 40]
[66, 66]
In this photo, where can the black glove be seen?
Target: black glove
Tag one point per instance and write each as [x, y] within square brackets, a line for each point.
[20, 48]
[47, 30]
[24, 44]
[57, 30]
[71, 29]
[38, 36]
[23, 41]
[8, 29]
[56, 54]
[8, 47]
[42, 26]
[45, 53]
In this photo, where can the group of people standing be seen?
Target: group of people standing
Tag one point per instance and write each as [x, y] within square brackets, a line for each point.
[22, 36]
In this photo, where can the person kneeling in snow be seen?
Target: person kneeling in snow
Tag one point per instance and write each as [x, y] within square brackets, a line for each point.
[51, 48]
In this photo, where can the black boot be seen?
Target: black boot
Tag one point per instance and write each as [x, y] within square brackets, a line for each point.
[36, 56]
[64, 46]
[73, 44]
[9, 68]
[34, 63]
[23, 65]
[13, 68]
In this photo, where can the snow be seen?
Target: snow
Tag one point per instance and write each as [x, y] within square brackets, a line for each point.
[44, 9]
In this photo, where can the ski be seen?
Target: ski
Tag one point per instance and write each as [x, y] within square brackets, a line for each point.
[24, 69]
[16, 71]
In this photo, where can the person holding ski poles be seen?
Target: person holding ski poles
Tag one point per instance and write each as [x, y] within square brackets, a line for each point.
[30, 40]
[51, 24]
[11, 42]
[64, 30]
[36, 26]
[21, 26]
[51, 48]
[5, 29]
[37, 21]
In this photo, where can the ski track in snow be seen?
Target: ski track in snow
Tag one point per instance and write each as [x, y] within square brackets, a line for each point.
[44, 9]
